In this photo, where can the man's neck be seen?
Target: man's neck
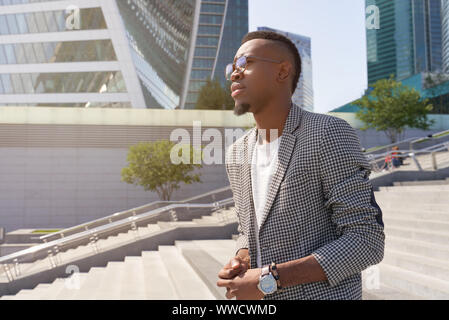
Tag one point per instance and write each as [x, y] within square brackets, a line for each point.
[272, 117]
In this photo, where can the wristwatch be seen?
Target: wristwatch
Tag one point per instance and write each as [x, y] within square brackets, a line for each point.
[267, 283]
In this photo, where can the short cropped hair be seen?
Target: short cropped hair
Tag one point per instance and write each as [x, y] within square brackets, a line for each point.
[270, 35]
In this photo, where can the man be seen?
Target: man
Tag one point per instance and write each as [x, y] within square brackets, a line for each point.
[308, 220]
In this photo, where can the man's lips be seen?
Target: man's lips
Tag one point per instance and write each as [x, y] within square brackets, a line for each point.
[236, 88]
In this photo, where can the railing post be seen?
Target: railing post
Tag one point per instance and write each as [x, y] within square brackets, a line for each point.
[416, 161]
[134, 229]
[173, 215]
[16, 267]
[50, 259]
[93, 242]
[8, 273]
[434, 160]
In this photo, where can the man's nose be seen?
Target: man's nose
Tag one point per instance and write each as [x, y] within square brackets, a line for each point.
[236, 75]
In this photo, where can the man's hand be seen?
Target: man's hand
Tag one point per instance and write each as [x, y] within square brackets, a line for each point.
[243, 286]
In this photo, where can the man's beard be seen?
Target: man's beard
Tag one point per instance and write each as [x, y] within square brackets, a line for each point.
[241, 108]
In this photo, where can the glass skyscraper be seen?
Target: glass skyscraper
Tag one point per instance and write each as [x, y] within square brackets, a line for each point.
[303, 95]
[112, 53]
[222, 25]
[409, 40]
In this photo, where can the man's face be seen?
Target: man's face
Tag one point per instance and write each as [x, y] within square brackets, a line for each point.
[257, 83]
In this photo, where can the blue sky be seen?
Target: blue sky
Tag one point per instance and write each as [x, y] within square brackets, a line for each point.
[337, 30]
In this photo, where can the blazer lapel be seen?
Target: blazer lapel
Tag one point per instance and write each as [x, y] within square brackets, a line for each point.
[286, 148]
[246, 183]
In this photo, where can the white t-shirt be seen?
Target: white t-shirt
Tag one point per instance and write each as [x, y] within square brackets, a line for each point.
[263, 166]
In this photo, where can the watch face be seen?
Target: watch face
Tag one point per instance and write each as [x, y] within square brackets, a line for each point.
[268, 284]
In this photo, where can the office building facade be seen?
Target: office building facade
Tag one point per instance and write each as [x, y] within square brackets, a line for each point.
[221, 27]
[109, 53]
[408, 41]
[303, 95]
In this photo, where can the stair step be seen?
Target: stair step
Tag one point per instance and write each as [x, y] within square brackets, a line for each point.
[416, 214]
[68, 292]
[414, 283]
[418, 224]
[405, 205]
[133, 283]
[420, 235]
[422, 248]
[90, 286]
[438, 268]
[415, 189]
[205, 266]
[110, 285]
[56, 287]
[187, 283]
[220, 250]
[157, 281]
[384, 292]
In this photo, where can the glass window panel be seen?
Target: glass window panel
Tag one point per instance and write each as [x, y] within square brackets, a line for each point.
[2, 91]
[12, 24]
[17, 83]
[10, 55]
[7, 86]
[20, 53]
[209, 29]
[40, 21]
[51, 22]
[3, 25]
[21, 23]
[32, 26]
[203, 63]
[27, 83]
[214, 19]
[216, 8]
[29, 53]
[40, 53]
[209, 41]
[205, 52]
[200, 74]
[3, 59]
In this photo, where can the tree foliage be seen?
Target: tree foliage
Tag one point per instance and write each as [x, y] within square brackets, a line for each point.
[151, 166]
[213, 96]
[391, 107]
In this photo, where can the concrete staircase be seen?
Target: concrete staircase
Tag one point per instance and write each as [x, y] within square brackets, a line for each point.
[416, 260]
[186, 271]
[112, 250]
[415, 264]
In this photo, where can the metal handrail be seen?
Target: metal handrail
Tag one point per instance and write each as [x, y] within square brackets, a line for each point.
[413, 140]
[430, 137]
[108, 219]
[393, 144]
[411, 153]
[107, 228]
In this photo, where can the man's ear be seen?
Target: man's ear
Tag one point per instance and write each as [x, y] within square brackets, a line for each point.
[285, 70]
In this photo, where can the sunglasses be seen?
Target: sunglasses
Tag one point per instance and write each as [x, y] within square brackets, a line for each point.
[241, 63]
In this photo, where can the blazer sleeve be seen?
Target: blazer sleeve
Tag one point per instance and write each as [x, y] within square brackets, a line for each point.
[349, 196]
[242, 240]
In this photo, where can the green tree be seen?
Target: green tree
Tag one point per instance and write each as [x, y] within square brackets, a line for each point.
[213, 96]
[391, 106]
[151, 165]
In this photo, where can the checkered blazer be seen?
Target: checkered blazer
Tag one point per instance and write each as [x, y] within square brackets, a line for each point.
[320, 202]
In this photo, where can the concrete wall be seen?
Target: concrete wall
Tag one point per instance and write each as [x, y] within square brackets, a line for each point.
[61, 167]
[62, 187]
